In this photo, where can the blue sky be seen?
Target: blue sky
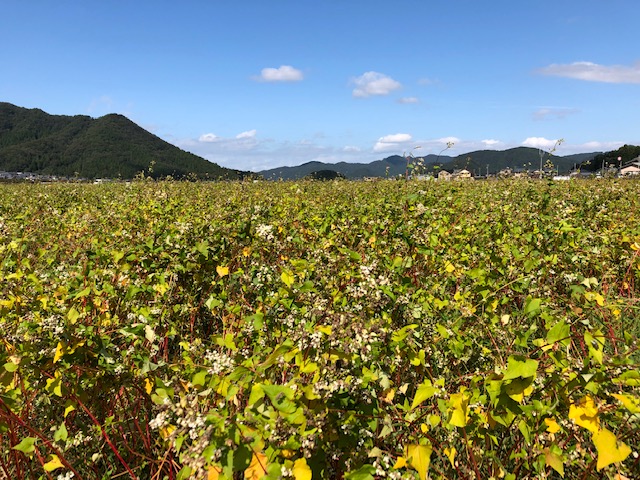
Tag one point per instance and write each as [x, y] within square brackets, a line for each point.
[257, 84]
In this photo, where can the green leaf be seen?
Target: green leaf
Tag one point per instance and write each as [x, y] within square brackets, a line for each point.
[61, 433]
[26, 445]
[532, 306]
[365, 472]
[184, 473]
[11, 367]
[520, 367]
[425, 391]
[560, 332]
[200, 378]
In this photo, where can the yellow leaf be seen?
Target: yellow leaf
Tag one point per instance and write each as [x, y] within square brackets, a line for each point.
[585, 414]
[519, 388]
[301, 470]
[213, 473]
[401, 462]
[165, 432]
[459, 403]
[222, 271]
[555, 461]
[68, 409]
[59, 352]
[148, 385]
[287, 278]
[552, 425]
[419, 458]
[609, 449]
[257, 468]
[631, 403]
[326, 329]
[246, 251]
[451, 455]
[53, 464]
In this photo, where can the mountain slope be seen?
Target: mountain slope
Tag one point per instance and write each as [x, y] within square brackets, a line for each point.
[388, 167]
[520, 158]
[110, 146]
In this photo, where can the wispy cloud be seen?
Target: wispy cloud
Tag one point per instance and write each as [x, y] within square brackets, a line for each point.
[547, 113]
[593, 72]
[408, 100]
[247, 134]
[284, 73]
[374, 83]
[393, 142]
[539, 142]
[248, 151]
[251, 152]
[208, 138]
[492, 144]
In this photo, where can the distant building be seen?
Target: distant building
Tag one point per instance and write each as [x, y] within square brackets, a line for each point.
[462, 174]
[630, 170]
[444, 175]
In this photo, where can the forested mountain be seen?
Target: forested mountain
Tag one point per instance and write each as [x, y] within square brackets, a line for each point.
[111, 146]
[521, 158]
[626, 154]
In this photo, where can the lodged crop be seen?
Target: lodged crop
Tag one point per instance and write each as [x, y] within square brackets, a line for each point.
[349, 330]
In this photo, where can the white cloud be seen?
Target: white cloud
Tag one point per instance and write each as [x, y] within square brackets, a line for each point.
[595, 146]
[408, 100]
[285, 73]
[247, 134]
[396, 141]
[545, 113]
[374, 83]
[492, 144]
[208, 138]
[593, 72]
[255, 153]
[447, 140]
[539, 142]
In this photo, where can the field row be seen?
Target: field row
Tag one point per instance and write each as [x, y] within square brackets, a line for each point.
[320, 330]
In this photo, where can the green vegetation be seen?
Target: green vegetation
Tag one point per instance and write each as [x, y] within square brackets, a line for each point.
[521, 158]
[626, 154]
[320, 330]
[108, 147]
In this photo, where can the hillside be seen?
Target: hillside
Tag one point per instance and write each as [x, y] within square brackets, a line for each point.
[520, 158]
[111, 146]
[390, 166]
[626, 154]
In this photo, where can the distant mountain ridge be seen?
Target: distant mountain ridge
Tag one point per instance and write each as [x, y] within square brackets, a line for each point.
[111, 146]
[519, 158]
